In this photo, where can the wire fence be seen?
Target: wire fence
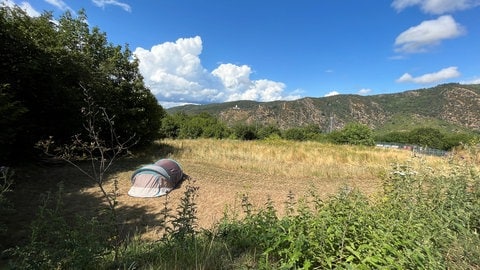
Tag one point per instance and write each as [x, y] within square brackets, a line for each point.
[414, 148]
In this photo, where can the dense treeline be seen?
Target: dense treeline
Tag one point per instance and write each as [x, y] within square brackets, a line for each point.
[204, 125]
[50, 66]
[427, 136]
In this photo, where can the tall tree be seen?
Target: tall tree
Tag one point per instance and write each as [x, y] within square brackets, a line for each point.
[47, 63]
[30, 74]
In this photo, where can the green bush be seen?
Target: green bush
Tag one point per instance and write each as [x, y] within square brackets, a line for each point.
[294, 134]
[244, 132]
[429, 137]
[353, 133]
[6, 183]
[170, 126]
[181, 125]
[269, 131]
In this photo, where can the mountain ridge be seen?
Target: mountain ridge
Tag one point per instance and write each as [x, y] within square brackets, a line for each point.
[452, 106]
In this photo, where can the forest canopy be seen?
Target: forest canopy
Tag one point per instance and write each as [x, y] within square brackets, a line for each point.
[48, 68]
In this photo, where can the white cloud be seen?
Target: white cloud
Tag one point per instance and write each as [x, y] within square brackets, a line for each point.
[332, 93]
[444, 74]
[436, 6]
[170, 104]
[103, 3]
[24, 6]
[233, 76]
[472, 81]
[364, 91]
[427, 34]
[32, 12]
[174, 73]
[59, 4]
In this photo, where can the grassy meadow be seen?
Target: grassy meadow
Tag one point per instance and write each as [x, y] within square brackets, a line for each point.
[226, 170]
[270, 204]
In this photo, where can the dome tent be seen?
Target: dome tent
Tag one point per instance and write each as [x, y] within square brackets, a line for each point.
[156, 179]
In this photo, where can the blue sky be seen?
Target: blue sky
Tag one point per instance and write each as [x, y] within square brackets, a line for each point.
[203, 51]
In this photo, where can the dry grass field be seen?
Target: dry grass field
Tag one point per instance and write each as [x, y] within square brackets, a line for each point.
[224, 171]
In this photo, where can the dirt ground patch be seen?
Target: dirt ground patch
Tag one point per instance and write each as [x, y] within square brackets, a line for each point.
[222, 190]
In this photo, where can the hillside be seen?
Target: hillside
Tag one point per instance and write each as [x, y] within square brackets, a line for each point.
[450, 107]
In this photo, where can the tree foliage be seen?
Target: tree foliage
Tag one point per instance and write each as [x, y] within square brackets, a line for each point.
[309, 132]
[269, 131]
[295, 134]
[183, 126]
[353, 133]
[46, 63]
[428, 137]
[203, 125]
[244, 132]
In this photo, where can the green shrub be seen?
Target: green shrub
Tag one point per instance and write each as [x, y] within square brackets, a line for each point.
[6, 182]
[294, 134]
[244, 132]
[429, 137]
[353, 133]
[58, 243]
[269, 131]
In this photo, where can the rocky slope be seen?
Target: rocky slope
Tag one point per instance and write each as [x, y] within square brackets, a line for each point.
[452, 105]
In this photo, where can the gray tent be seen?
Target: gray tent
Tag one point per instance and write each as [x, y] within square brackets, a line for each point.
[156, 179]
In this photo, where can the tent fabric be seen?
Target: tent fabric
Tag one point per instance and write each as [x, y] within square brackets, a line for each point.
[152, 169]
[155, 180]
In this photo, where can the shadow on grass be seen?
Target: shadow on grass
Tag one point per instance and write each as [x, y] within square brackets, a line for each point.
[33, 181]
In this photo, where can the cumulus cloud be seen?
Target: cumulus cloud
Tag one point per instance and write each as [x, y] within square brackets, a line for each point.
[332, 93]
[103, 3]
[427, 34]
[444, 74]
[233, 76]
[364, 91]
[175, 75]
[32, 12]
[436, 6]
